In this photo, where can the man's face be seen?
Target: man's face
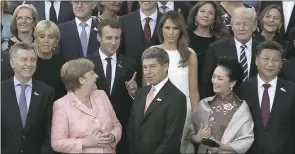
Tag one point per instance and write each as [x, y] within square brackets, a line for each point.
[109, 40]
[153, 71]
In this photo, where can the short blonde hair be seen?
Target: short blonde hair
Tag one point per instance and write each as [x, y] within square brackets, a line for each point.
[246, 13]
[13, 25]
[72, 70]
[45, 25]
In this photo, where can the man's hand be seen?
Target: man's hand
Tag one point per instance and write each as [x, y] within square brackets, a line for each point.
[132, 85]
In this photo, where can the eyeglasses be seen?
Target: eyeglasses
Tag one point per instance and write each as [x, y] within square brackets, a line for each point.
[81, 2]
[28, 19]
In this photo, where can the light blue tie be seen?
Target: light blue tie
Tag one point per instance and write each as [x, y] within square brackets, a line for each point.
[23, 104]
[83, 38]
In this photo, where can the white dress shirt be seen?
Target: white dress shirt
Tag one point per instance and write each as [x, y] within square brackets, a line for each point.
[47, 8]
[271, 90]
[248, 51]
[159, 86]
[18, 90]
[104, 64]
[288, 7]
[87, 28]
[153, 21]
[170, 6]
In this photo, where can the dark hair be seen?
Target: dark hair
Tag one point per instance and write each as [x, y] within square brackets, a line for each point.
[265, 11]
[273, 45]
[218, 29]
[113, 23]
[183, 40]
[156, 53]
[234, 69]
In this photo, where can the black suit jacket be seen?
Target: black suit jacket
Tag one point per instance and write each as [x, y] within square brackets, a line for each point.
[124, 8]
[6, 71]
[69, 46]
[284, 33]
[159, 129]
[65, 10]
[35, 137]
[133, 42]
[183, 8]
[288, 69]
[278, 136]
[219, 49]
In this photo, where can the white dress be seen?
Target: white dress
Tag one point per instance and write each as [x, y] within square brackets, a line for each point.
[179, 77]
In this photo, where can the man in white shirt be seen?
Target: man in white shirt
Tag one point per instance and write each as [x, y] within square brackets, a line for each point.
[57, 11]
[78, 37]
[159, 110]
[271, 100]
[241, 46]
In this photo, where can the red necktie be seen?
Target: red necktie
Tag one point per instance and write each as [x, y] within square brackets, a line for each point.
[265, 105]
[147, 29]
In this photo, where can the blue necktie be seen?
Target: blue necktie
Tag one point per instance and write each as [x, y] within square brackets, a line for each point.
[23, 104]
[244, 62]
[83, 38]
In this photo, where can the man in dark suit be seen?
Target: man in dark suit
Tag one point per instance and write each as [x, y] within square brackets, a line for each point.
[139, 32]
[271, 100]
[113, 70]
[288, 69]
[159, 110]
[241, 46]
[56, 11]
[6, 71]
[26, 106]
[78, 37]
[181, 7]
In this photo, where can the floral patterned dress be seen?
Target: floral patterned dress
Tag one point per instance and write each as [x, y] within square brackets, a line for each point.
[222, 110]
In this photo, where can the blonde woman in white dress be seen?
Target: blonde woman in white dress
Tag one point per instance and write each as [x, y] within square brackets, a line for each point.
[183, 67]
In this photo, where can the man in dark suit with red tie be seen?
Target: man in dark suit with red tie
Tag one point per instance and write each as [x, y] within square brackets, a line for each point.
[271, 100]
[26, 106]
[139, 32]
[159, 110]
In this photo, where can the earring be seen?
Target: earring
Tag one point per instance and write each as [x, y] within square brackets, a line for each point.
[212, 27]
[231, 88]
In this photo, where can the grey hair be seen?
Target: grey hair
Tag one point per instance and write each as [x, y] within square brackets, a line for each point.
[243, 12]
[21, 45]
[156, 53]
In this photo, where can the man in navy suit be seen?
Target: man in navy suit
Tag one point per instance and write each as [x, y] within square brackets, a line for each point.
[78, 36]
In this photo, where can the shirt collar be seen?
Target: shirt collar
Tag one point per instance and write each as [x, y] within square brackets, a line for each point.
[103, 56]
[153, 16]
[169, 4]
[248, 44]
[273, 82]
[48, 1]
[17, 83]
[88, 22]
[160, 85]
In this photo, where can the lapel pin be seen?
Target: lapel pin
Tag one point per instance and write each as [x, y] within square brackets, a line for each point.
[179, 10]
[283, 89]
[119, 65]
[159, 99]
[95, 29]
[35, 93]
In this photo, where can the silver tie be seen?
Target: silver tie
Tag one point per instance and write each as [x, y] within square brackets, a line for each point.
[83, 38]
[23, 104]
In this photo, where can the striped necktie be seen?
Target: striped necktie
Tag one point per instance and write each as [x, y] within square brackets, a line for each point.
[244, 62]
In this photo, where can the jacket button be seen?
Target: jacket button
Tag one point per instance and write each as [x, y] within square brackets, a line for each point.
[24, 137]
[21, 151]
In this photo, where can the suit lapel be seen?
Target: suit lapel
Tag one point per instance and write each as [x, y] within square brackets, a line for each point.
[158, 99]
[62, 11]
[73, 30]
[279, 96]
[253, 68]
[138, 28]
[118, 73]
[154, 38]
[92, 41]
[34, 104]
[13, 103]
[101, 76]
[80, 105]
[232, 48]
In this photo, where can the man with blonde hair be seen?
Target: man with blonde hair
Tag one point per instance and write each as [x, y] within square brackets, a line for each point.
[241, 46]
